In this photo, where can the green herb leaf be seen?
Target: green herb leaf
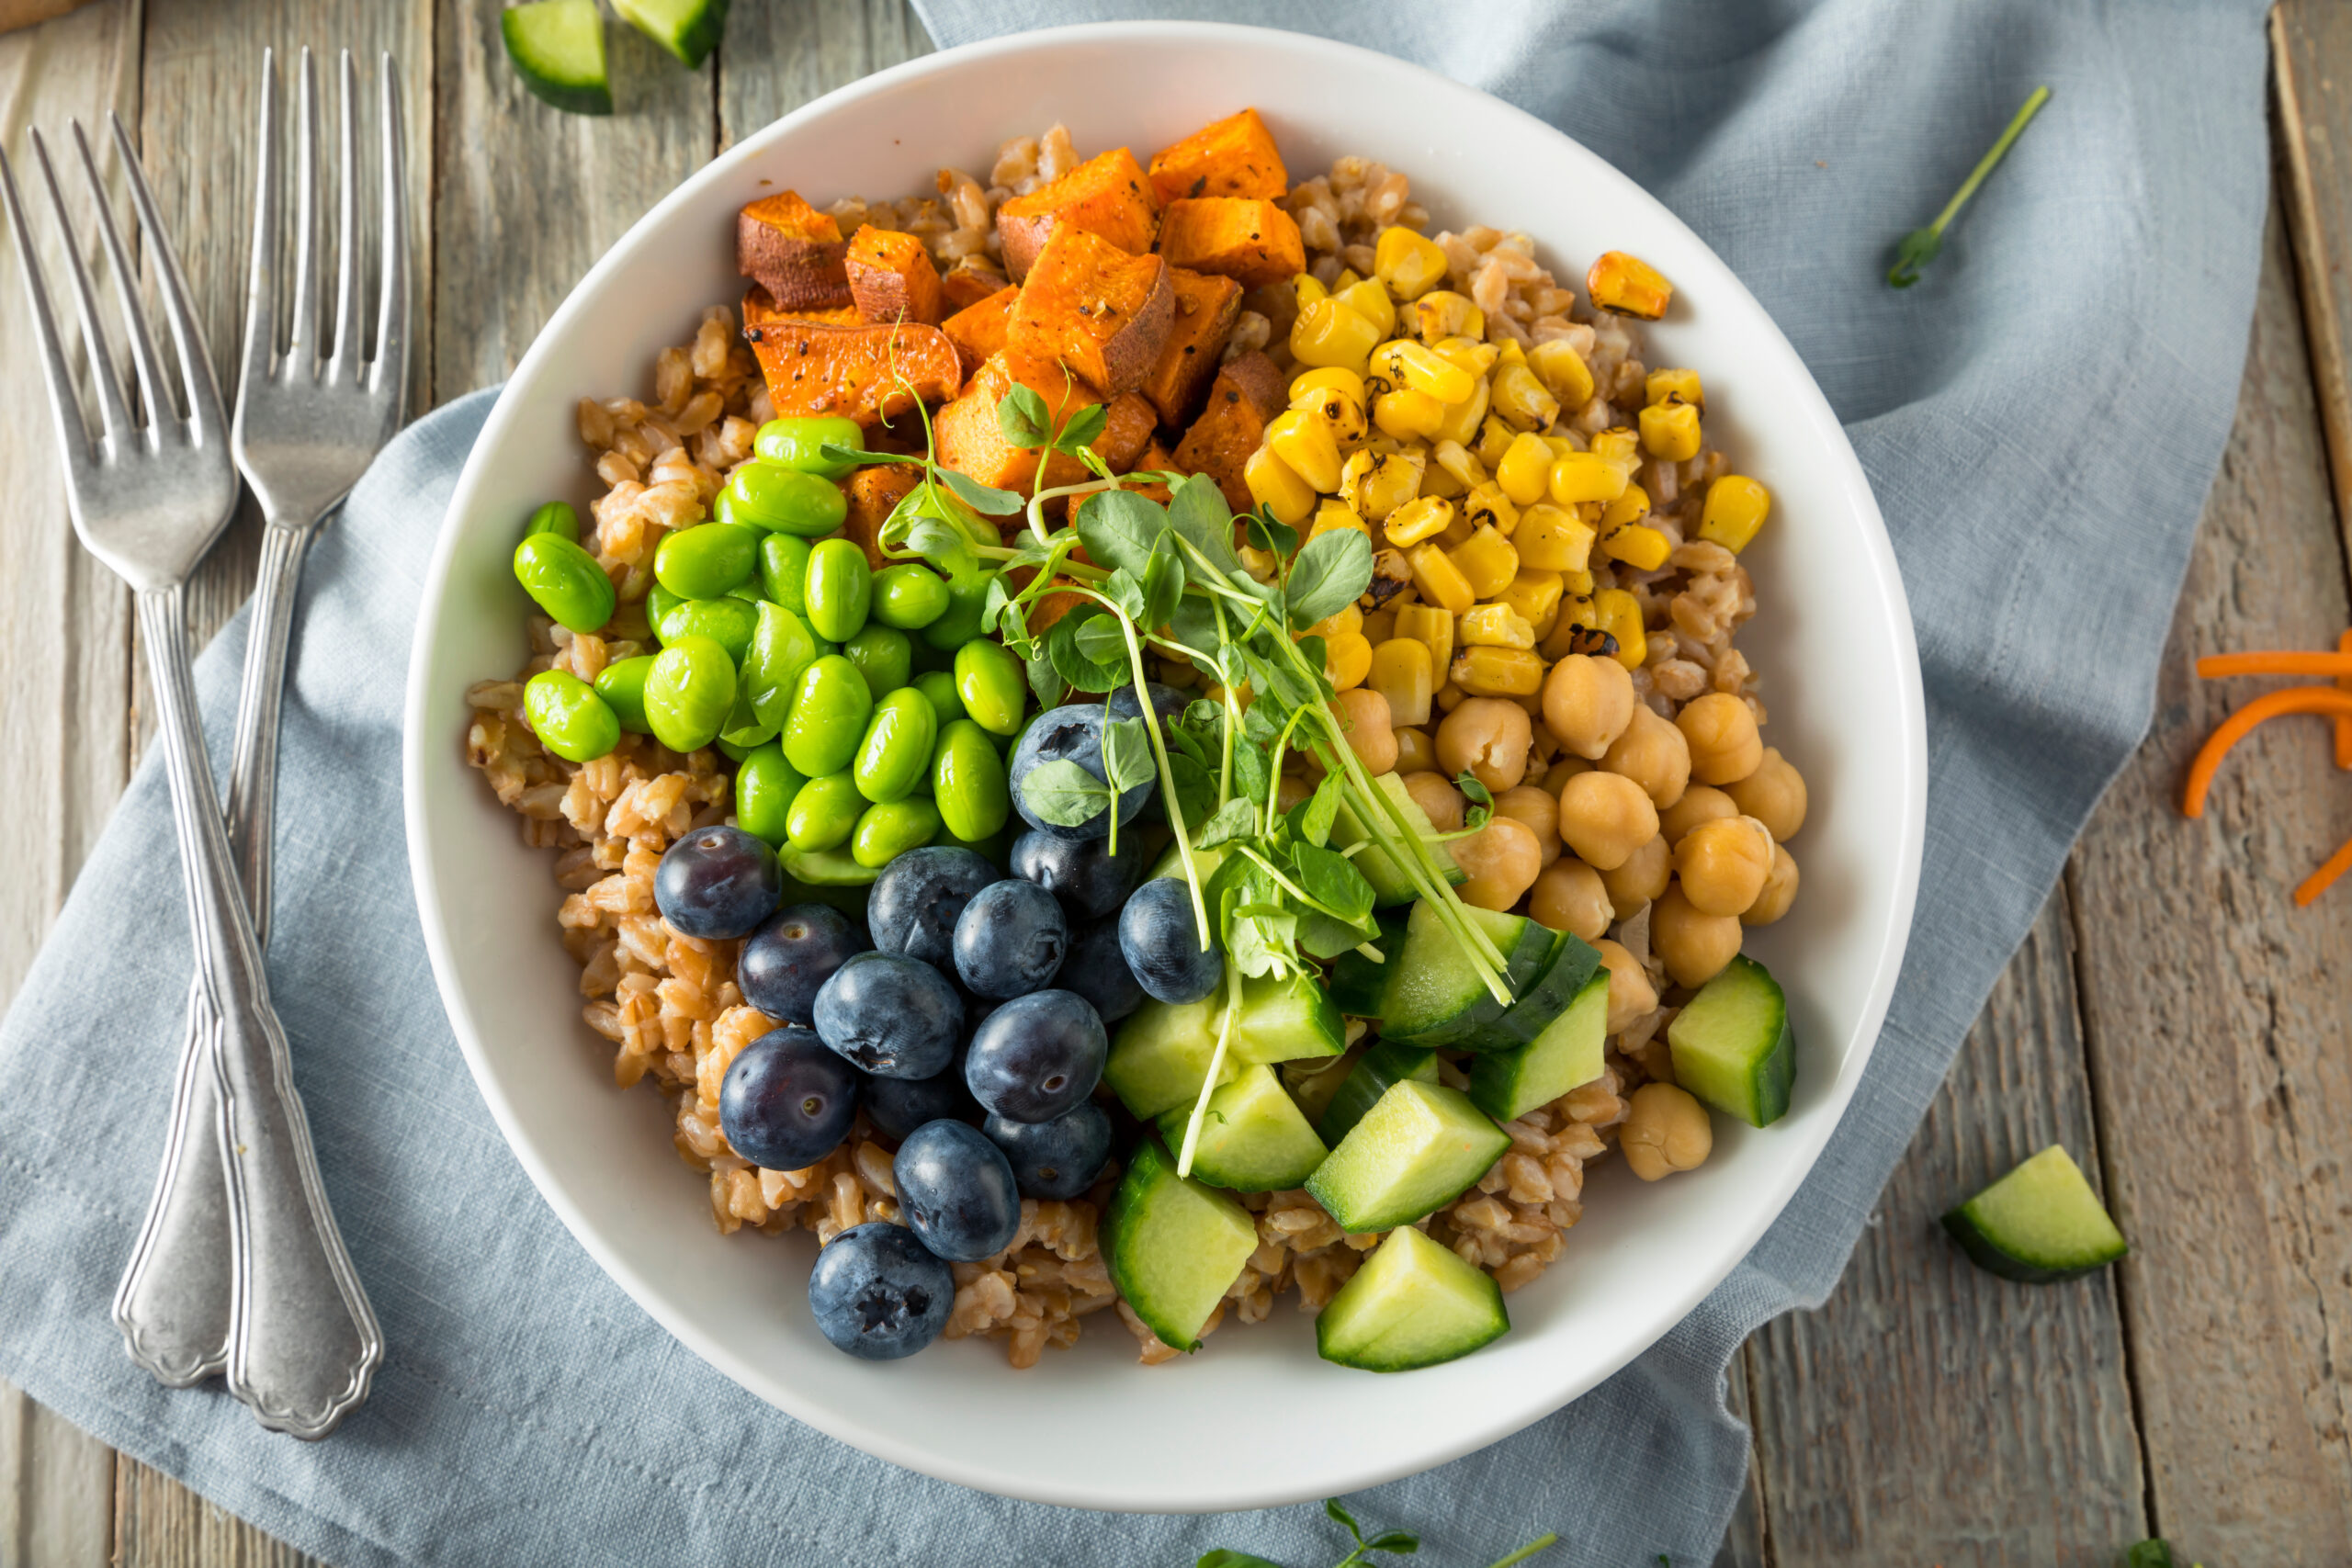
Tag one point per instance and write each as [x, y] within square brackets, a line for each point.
[1402, 1542]
[1331, 879]
[1481, 798]
[1124, 589]
[980, 498]
[993, 602]
[1121, 529]
[1082, 672]
[1163, 584]
[1197, 509]
[1126, 754]
[1100, 639]
[1251, 772]
[1022, 419]
[1064, 794]
[835, 452]
[1272, 534]
[1264, 936]
[1323, 937]
[1046, 681]
[1223, 1558]
[1332, 1506]
[1329, 574]
[1235, 820]
[1316, 654]
[1083, 427]
[1322, 809]
[1196, 786]
[1921, 245]
[1918, 248]
[2153, 1553]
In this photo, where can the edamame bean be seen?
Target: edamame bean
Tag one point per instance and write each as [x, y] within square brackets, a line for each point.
[706, 561]
[840, 589]
[830, 706]
[689, 693]
[889, 830]
[894, 760]
[780, 648]
[765, 788]
[782, 500]
[799, 441]
[743, 728]
[992, 684]
[784, 570]
[571, 719]
[961, 621]
[939, 685]
[824, 813]
[565, 580]
[967, 782]
[909, 596]
[622, 685]
[883, 656]
[555, 517]
[727, 622]
[659, 602]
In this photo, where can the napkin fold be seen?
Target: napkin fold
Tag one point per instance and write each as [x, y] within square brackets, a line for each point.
[2040, 418]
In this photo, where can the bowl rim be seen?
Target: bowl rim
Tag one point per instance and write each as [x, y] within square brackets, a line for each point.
[1911, 764]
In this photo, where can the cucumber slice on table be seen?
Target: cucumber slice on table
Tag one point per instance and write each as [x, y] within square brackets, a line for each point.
[557, 48]
[1390, 883]
[1413, 1303]
[1732, 1046]
[2039, 1224]
[1160, 1057]
[1505, 1084]
[1433, 998]
[1282, 1019]
[1253, 1136]
[1385, 1064]
[1419, 1149]
[687, 28]
[1173, 1246]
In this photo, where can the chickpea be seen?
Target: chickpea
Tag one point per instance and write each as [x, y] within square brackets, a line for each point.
[1653, 754]
[1439, 800]
[1642, 878]
[1416, 752]
[1363, 719]
[1632, 996]
[1666, 1130]
[1588, 703]
[1502, 860]
[1292, 789]
[1486, 738]
[1774, 794]
[1694, 947]
[1779, 891]
[1538, 812]
[1605, 817]
[1569, 896]
[1561, 772]
[1721, 729]
[1723, 864]
[1699, 803]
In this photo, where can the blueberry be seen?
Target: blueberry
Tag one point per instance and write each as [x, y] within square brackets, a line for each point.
[1009, 939]
[1162, 942]
[913, 904]
[1097, 970]
[790, 957]
[878, 1293]
[786, 1102]
[894, 1017]
[718, 883]
[1166, 701]
[1072, 732]
[1081, 873]
[957, 1190]
[1036, 1057]
[898, 1106]
[1060, 1158]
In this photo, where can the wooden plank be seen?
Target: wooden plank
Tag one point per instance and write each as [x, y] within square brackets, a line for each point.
[1746, 1541]
[2219, 1034]
[790, 55]
[1931, 1412]
[161, 1524]
[2310, 51]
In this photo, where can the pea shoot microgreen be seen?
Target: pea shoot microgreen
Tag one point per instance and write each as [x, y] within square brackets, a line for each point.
[1922, 245]
[1399, 1543]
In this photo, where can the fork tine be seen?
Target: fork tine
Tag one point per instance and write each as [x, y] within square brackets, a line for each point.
[162, 412]
[302, 334]
[261, 293]
[179, 314]
[390, 364]
[345, 352]
[73, 434]
[114, 414]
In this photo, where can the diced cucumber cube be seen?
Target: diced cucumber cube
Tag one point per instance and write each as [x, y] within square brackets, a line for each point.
[1505, 1084]
[1160, 1057]
[2039, 1224]
[1731, 1044]
[1173, 1246]
[1419, 1148]
[1253, 1136]
[1412, 1304]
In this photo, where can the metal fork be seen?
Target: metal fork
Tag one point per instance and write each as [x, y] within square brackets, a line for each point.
[148, 499]
[306, 424]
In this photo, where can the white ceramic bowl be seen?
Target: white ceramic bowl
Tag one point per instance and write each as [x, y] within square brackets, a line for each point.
[1223, 1429]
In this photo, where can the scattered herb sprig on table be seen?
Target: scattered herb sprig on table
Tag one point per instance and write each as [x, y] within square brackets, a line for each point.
[1402, 1543]
[1920, 246]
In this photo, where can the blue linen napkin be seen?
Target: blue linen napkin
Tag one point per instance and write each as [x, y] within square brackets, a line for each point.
[2040, 418]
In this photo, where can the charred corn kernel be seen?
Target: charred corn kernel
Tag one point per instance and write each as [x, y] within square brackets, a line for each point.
[1440, 579]
[1431, 626]
[1488, 505]
[1621, 445]
[1511, 353]
[1525, 470]
[1662, 385]
[1737, 506]
[1575, 618]
[1346, 660]
[1534, 596]
[1306, 443]
[1257, 563]
[1494, 439]
[1311, 290]
[1670, 431]
[1370, 301]
[1585, 476]
[1457, 532]
[1419, 519]
[1379, 625]
[1333, 514]
[1551, 539]
[1563, 372]
[1486, 561]
[1627, 285]
[1630, 507]
[1339, 404]
[1414, 365]
[1495, 625]
[1461, 462]
[1377, 483]
[1345, 620]
[1406, 413]
[1328, 332]
[1309, 386]
[1409, 264]
[1577, 582]
[1461, 419]
[1643, 549]
[1439, 482]
[1349, 277]
[1520, 397]
[1402, 672]
[1441, 313]
[1497, 672]
[1276, 486]
[1467, 354]
[1621, 616]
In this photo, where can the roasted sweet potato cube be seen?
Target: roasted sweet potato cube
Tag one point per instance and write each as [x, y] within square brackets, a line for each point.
[970, 281]
[862, 372]
[875, 493]
[760, 308]
[977, 331]
[971, 442]
[1154, 459]
[1245, 396]
[794, 251]
[1205, 309]
[1234, 157]
[1108, 196]
[1251, 242]
[891, 277]
[1128, 421]
[1092, 311]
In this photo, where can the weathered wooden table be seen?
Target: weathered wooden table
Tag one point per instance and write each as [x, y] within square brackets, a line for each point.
[2172, 1013]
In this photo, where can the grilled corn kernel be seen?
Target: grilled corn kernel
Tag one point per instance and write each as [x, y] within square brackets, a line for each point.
[1432, 628]
[1621, 617]
[1346, 660]
[1497, 672]
[1377, 483]
[1461, 419]
[1525, 470]
[1494, 439]
[1551, 539]
[1630, 507]
[1620, 445]
[1467, 355]
[1410, 364]
[1575, 619]
[1402, 671]
[1520, 397]
[1371, 301]
[1585, 476]
[1643, 549]
[1276, 486]
[1409, 264]
[1511, 353]
[1308, 386]
[1561, 445]
[1333, 514]
[1419, 519]
[1495, 625]
[1488, 505]
[1441, 313]
[1670, 431]
[1563, 372]
[1663, 385]
[1347, 618]
[1328, 332]
[1349, 277]
[1440, 579]
[1486, 561]
[1461, 462]
[1577, 582]
[1737, 506]
[1406, 413]
[1311, 290]
[1627, 285]
[1458, 532]
[1379, 625]
[1306, 443]
[1534, 595]
[1439, 481]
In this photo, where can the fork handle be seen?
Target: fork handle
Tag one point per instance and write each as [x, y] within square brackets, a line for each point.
[303, 1343]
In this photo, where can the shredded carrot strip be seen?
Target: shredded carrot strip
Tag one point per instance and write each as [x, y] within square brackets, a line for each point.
[2318, 881]
[2239, 725]
[2213, 666]
[2344, 724]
